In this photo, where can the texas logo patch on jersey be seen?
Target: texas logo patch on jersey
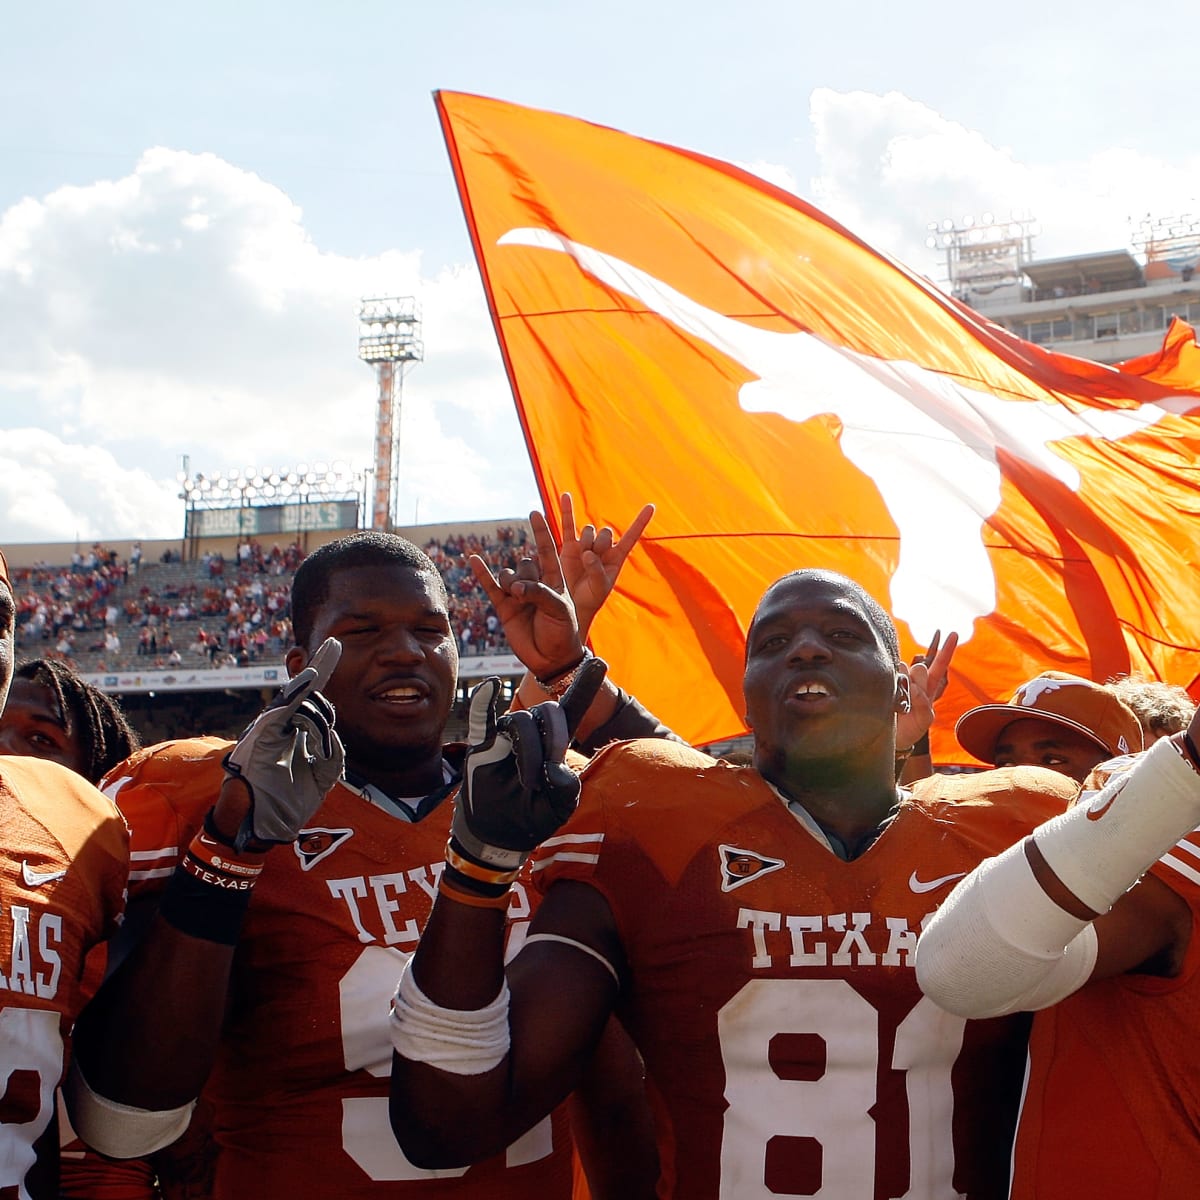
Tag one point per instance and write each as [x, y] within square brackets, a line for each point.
[312, 845]
[740, 866]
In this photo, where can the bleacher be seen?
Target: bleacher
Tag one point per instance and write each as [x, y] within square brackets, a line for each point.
[147, 600]
[75, 599]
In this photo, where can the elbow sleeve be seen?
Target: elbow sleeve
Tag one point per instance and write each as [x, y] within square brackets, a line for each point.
[1000, 945]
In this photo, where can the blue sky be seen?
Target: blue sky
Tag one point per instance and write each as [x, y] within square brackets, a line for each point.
[193, 198]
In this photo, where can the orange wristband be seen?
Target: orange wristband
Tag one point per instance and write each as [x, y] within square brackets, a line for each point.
[210, 861]
[474, 871]
[459, 896]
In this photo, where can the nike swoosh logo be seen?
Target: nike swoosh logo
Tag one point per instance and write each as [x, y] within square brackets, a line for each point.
[920, 886]
[34, 878]
[1096, 811]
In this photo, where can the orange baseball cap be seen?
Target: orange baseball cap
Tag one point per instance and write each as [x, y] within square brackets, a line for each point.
[1055, 696]
[4, 575]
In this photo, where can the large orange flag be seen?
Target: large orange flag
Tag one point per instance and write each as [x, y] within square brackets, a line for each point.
[680, 331]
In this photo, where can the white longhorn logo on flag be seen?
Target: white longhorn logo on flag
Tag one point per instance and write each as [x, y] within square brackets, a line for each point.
[928, 442]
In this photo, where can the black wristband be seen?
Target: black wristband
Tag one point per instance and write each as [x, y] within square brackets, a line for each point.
[208, 911]
[921, 745]
[476, 887]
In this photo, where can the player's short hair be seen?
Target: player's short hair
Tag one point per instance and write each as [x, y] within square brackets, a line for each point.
[93, 719]
[877, 615]
[1161, 708]
[370, 548]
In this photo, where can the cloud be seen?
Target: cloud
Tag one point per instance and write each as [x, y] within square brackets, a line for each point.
[51, 490]
[889, 165]
[184, 309]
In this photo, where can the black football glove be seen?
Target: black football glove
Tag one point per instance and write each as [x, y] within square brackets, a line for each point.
[516, 789]
[290, 755]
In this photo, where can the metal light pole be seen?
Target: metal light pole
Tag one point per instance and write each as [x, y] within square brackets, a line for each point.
[389, 340]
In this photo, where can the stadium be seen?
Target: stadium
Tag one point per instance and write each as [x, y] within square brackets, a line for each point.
[347, 953]
[202, 622]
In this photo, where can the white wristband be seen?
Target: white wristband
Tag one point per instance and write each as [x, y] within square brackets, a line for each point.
[1103, 845]
[462, 1042]
[120, 1130]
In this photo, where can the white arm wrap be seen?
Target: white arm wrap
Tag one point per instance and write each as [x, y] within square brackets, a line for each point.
[1105, 844]
[463, 1042]
[1000, 945]
[119, 1130]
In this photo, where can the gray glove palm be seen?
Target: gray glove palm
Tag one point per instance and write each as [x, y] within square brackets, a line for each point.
[290, 755]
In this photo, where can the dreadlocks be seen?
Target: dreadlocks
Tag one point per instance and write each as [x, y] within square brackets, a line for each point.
[92, 718]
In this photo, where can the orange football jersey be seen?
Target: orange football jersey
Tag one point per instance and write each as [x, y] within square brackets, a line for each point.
[62, 891]
[772, 992]
[1112, 1103]
[301, 1085]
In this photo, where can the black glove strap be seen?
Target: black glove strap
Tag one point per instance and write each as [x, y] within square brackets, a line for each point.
[476, 887]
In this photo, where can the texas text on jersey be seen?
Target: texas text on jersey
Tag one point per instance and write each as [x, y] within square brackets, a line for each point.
[300, 1089]
[62, 892]
[773, 997]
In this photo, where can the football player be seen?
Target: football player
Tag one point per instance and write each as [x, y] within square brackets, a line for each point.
[753, 926]
[1059, 721]
[62, 890]
[55, 715]
[1162, 708]
[1091, 924]
[285, 998]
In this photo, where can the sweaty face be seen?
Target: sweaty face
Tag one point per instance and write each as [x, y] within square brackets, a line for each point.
[394, 684]
[1031, 742]
[819, 680]
[32, 725]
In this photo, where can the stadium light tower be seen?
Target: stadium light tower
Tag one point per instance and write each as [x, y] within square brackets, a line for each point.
[258, 501]
[986, 254]
[1172, 243]
[389, 340]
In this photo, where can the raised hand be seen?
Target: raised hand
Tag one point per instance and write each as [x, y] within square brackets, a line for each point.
[534, 606]
[517, 789]
[288, 758]
[592, 558]
[927, 678]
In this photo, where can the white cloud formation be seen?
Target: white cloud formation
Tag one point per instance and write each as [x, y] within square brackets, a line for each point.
[51, 490]
[889, 165]
[184, 309]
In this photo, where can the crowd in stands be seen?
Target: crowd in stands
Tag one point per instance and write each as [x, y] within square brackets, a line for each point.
[103, 613]
[58, 606]
[476, 624]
